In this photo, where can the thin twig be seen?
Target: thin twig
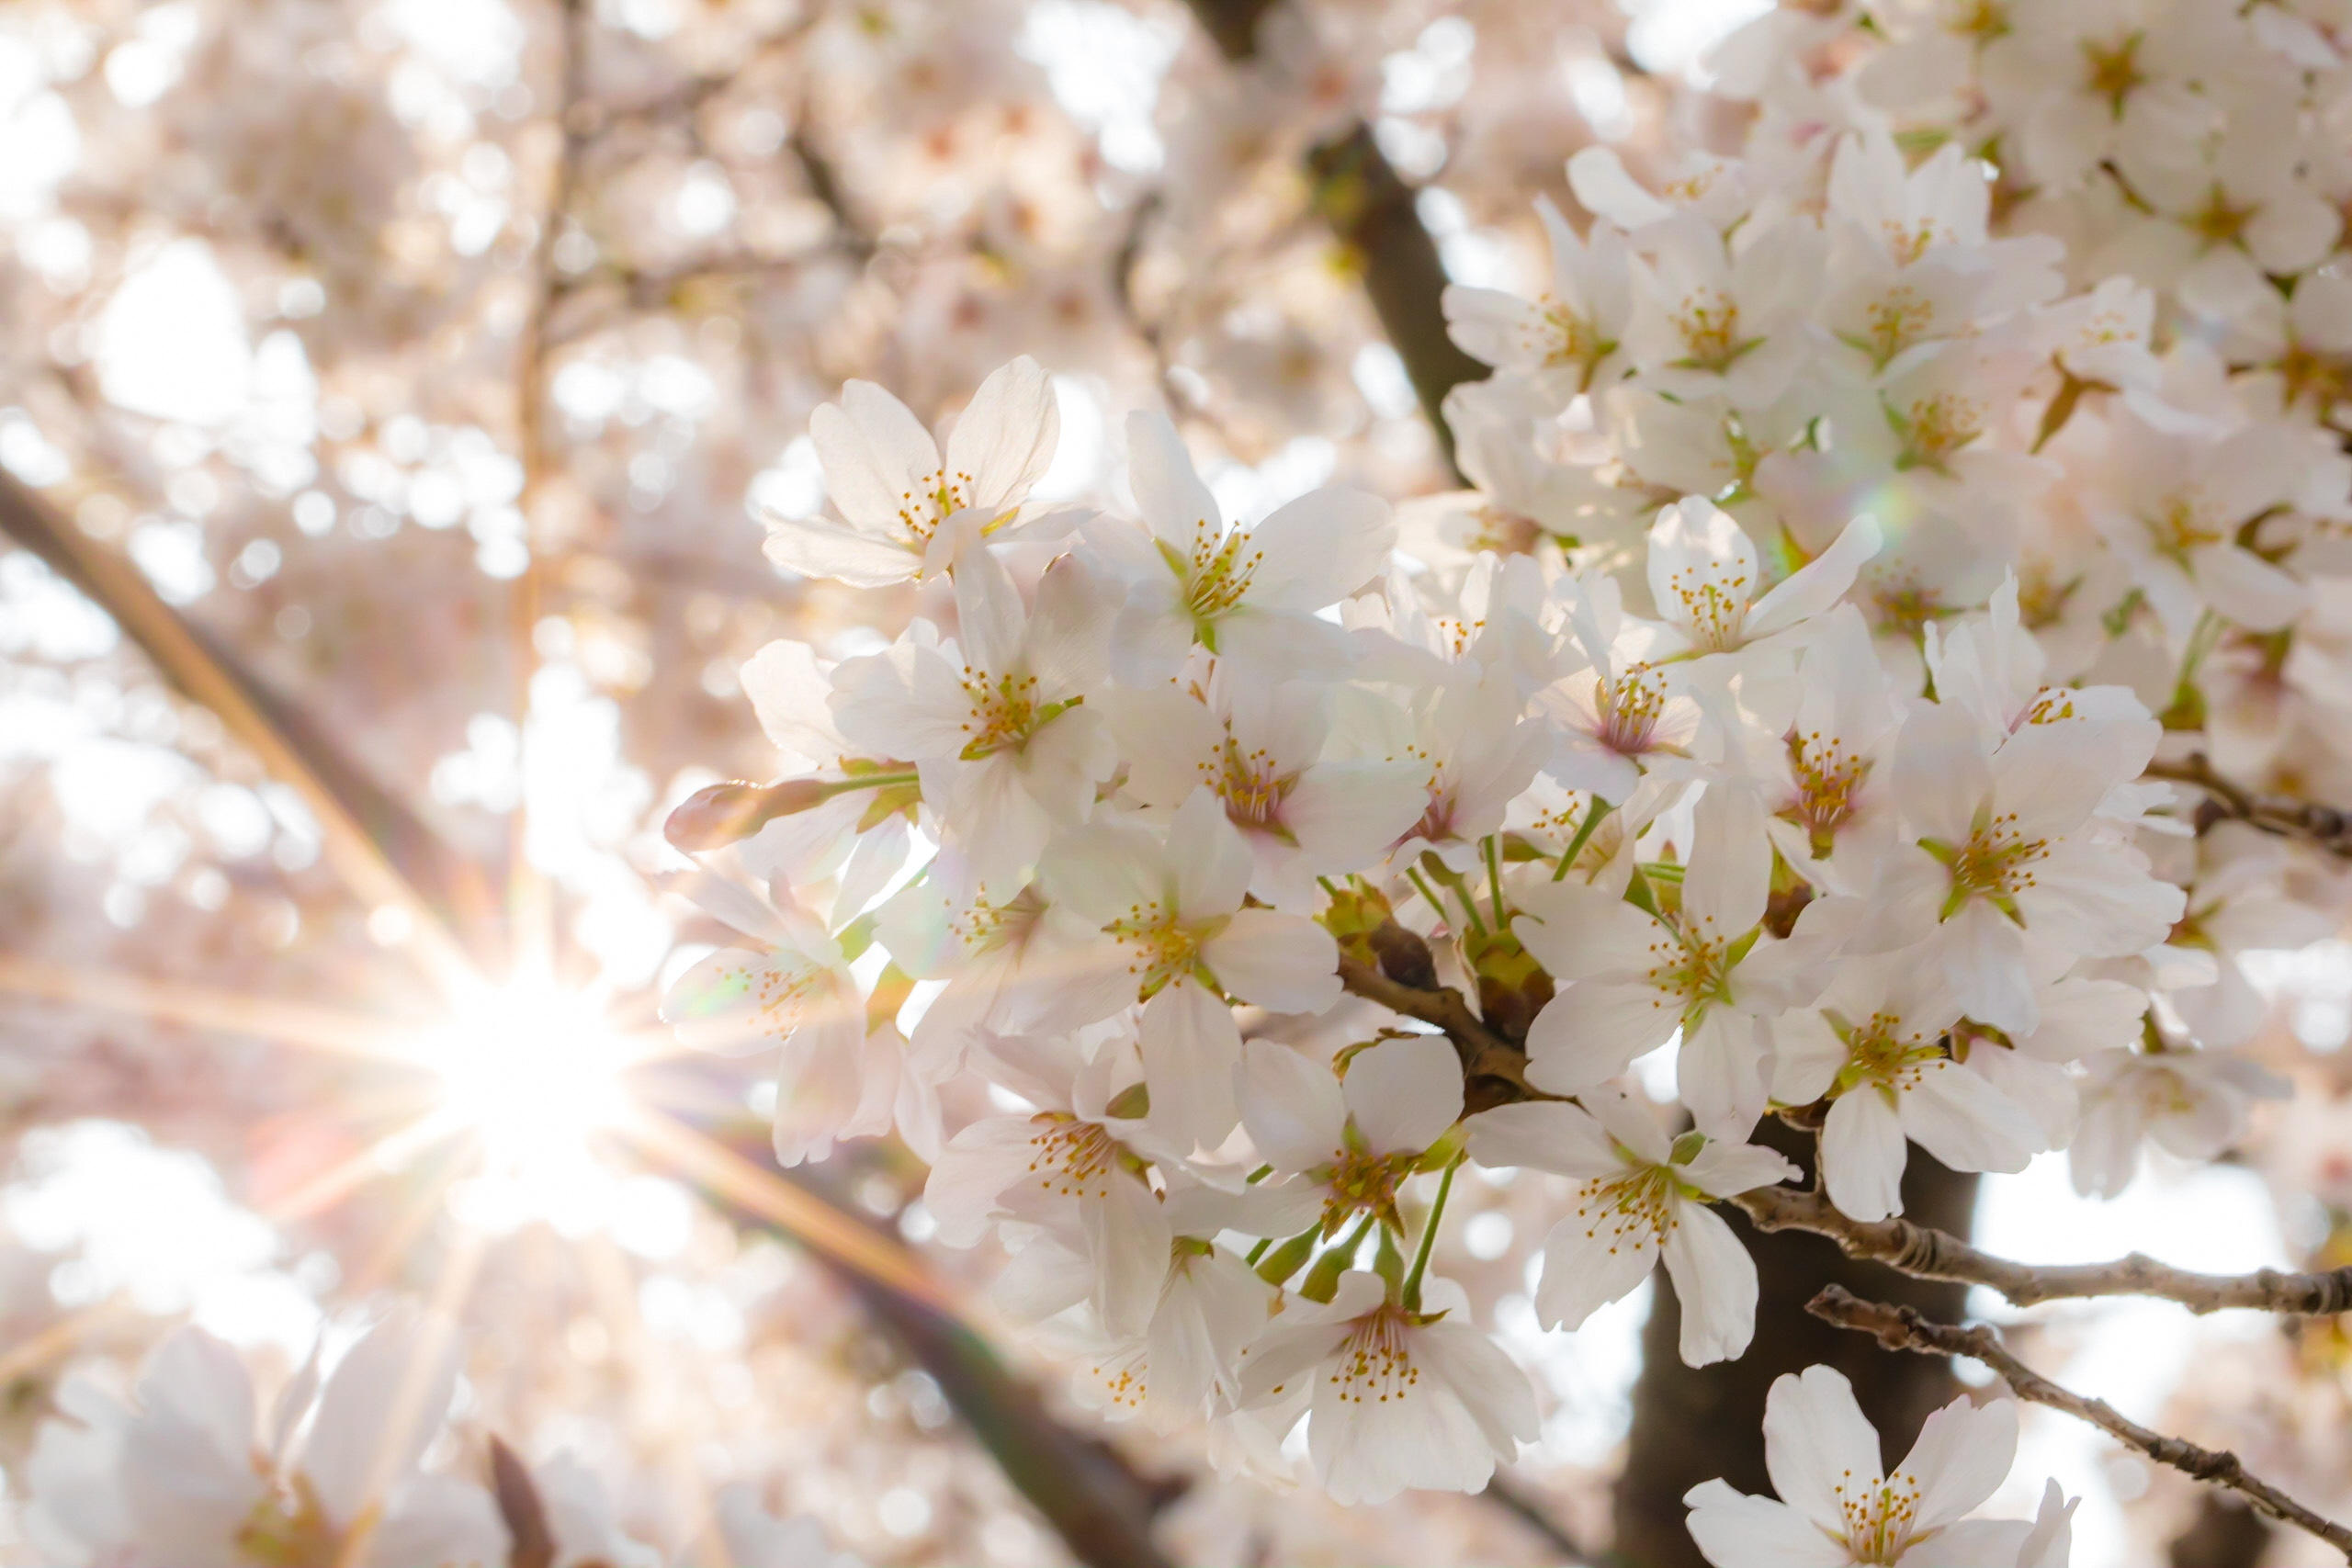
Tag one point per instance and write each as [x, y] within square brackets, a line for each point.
[1902, 1328]
[851, 233]
[1927, 1254]
[2322, 827]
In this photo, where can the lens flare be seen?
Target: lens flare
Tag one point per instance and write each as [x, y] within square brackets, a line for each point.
[531, 1072]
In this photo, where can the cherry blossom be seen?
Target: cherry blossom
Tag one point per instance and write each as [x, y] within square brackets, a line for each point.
[1640, 1196]
[1837, 1504]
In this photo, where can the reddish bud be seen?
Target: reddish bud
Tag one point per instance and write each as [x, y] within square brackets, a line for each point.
[721, 814]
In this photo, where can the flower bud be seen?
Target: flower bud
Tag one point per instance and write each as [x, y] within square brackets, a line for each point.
[722, 814]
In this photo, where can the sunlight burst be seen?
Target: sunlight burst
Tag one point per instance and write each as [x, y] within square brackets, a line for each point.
[532, 1072]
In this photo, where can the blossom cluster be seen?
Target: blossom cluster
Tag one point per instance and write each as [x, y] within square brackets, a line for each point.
[1865, 532]
[188, 1468]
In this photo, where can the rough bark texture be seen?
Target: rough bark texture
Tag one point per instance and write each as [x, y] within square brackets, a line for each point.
[1692, 1424]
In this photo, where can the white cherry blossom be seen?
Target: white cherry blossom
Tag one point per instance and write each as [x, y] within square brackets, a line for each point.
[995, 722]
[1398, 1398]
[1247, 591]
[1354, 1140]
[1838, 1505]
[1635, 979]
[898, 498]
[1169, 912]
[1640, 1197]
[1876, 1047]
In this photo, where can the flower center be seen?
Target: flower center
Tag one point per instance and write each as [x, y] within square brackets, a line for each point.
[1071, 1159]
[1375, 1362]
[1996, 863]
[1632, 1209]
[1907, 242]
[1879, 1517]
[1694, 966]
[1709, 326]
[986, 927]
[1160, 949]
[1217, 576]
[2184, 526]
[1363, 1182]
[1715, 606]
[289, 1532]
[1880, 1053]
[1827, 777]
[1252, 788]
[1630, 707]
[2220, 221]
[1983, 20]
[778, 984]
[1570, 340]
[2111, 73]
[1937, 427]
[940, 497]
[1005, 712]
[1898, 318]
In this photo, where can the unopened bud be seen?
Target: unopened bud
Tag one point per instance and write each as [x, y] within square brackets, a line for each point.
[721, 814]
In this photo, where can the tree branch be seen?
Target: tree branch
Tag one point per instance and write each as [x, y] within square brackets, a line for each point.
[381, 850]
[1484, 1052]
[1902, 1328]
[1371, 211]
[1927, 1254]
[2322, 827]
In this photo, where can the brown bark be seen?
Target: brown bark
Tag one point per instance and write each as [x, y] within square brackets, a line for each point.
[1693, 1424]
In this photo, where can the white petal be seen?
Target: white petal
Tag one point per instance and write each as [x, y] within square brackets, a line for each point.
[1127, 1241]
[1210, 862]
[1346, 815]
[1577, 931]
[1722, 1169]
[1320, 548]
[1964, 1122]
[1816, 1442]
[1282, 962]
[1820, 583]
[1168, 488]
[1729, 879]
[1715, 1280]
[1720, 1071]
[1591, 1031]
[1403, 1094]
[1292, 1105]
[1593, 1256]
[1862, 1155]
[873, 450]
[1003, 441]
[1961, 1457]
[815, 548]
[1734, 1530]
[1543, 1135]
[382, 1405]
[1190, 1049]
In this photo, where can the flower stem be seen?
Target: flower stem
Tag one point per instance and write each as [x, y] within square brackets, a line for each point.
[1460, 886]
[1593, 814]
[1495, 879]
[1412, 1292]
[1323, 1281]
[1414, 876]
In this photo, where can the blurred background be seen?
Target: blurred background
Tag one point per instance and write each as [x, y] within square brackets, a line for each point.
[389, 390]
